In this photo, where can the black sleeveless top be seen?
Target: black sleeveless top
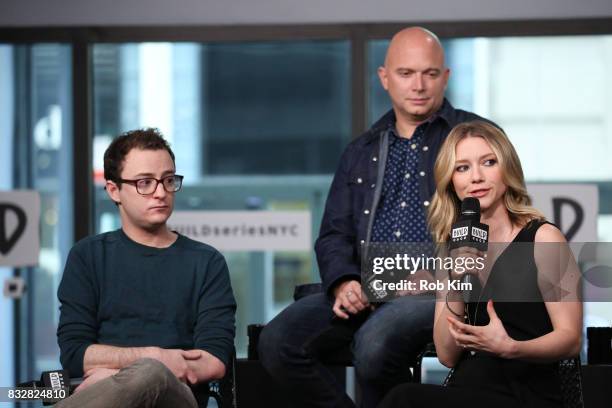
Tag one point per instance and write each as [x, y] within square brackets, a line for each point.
[532, 384]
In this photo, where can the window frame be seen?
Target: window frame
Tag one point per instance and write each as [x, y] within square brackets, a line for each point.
[81, 38]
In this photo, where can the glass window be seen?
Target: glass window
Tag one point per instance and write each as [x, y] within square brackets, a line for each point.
[550, 95]
[41, 138]
[6, 183]
[256, 125]
[51, 163]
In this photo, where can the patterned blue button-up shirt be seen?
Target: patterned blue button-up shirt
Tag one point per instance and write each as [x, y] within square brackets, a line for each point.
[401, 215]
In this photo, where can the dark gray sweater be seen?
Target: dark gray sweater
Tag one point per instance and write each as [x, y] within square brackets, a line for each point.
[117, 292]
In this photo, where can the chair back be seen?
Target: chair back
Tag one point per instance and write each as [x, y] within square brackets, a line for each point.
[570, 375]
[223, 391]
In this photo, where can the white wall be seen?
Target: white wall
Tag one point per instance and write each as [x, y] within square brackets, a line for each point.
[150, 12]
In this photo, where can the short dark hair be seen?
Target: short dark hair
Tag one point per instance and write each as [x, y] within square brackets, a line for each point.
[143, 139]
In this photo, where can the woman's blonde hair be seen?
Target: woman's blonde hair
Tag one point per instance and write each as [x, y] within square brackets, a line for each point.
[445, 205]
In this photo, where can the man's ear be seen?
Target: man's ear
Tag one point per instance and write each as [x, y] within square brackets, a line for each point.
[382, 75]
[112, 189]
[446, 76]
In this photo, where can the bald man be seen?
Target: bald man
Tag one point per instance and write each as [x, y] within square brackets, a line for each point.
[380, 193]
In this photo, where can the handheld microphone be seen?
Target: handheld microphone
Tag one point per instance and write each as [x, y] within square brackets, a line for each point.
[468, 231]
[55, 380]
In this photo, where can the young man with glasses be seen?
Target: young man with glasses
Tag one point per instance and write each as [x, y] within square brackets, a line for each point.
[145, 311]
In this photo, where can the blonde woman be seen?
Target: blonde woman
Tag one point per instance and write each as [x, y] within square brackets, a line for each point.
[504, 354]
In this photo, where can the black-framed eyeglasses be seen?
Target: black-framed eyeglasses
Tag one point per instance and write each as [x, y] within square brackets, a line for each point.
[147, 186]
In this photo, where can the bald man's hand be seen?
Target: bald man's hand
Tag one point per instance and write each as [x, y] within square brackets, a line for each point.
[349, 298]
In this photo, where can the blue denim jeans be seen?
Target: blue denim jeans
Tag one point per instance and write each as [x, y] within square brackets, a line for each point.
[383, 341]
